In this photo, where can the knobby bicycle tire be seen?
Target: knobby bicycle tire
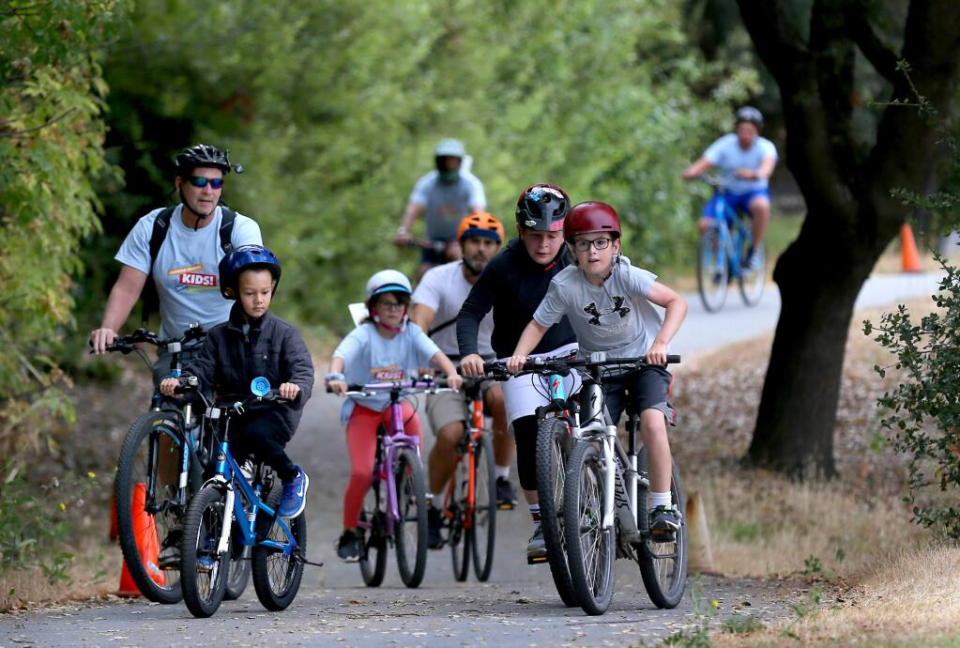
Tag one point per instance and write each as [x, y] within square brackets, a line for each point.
[154, 431]
[713, 277]
[373, 549]
[553, 441]
[276, 578]
[412, 504]
[205, 584]
[483, 531]
[590, 549]
[664, 581]
[457, 537]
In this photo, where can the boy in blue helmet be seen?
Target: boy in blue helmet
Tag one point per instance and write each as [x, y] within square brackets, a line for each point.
[253, 343]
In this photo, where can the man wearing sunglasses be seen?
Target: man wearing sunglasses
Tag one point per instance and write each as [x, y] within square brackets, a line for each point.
[180, 248]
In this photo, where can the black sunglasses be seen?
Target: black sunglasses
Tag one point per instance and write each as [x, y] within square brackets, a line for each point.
[200, 182]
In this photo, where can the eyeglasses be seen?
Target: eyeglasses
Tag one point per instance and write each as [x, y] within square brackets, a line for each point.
[583, 245]
[391, 306]
[200, 182]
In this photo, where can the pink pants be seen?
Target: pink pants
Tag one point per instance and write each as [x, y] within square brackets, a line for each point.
[362, 445]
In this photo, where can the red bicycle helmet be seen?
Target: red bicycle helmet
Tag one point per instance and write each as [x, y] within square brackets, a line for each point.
[591, 216]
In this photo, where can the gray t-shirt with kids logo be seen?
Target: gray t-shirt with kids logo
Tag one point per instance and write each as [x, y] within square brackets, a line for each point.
[615, 317]
[186, 271]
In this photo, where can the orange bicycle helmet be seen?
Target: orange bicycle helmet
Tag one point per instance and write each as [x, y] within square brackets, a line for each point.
[481, 224]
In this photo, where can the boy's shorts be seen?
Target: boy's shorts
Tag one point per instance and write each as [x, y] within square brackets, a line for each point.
[637, 391]
[739, 202]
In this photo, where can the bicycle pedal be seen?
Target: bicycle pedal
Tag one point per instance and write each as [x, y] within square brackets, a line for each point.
[536, 560]
[505, 506]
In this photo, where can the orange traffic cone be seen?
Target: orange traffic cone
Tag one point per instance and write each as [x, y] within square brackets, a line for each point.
[908, 247]
[148, 546]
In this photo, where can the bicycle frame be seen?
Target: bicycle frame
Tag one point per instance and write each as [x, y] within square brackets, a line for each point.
[471, 436]
[731, 233]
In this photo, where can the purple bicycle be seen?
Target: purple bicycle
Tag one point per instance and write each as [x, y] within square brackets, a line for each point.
[395, 507]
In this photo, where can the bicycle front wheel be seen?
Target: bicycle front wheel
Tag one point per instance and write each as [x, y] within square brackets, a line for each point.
[590, 548]
[410, 533]
[752, 280]
[148, 501]
[483, 527]
[663, 566]
[277, 574]
[205, 572]
[713, 275]
[373, 541]
[553, 446]
[456, 508]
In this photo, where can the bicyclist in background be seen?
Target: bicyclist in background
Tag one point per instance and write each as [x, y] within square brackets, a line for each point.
[513, 284]
[443, 196]
[386, 346]
[256, 343]
[186, 268]
[436, 304]
[746, 161]
[608, 303]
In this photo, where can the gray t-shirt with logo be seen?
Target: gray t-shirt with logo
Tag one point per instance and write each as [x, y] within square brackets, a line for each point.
[445, 204]
[615, 317]
[186, 271]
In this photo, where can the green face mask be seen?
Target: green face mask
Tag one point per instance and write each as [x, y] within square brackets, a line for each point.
[449, 176]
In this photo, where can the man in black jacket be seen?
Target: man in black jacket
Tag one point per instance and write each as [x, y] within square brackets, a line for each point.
[513, 284]
[254, 343]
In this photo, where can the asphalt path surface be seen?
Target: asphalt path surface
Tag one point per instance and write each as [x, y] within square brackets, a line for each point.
[517, 607]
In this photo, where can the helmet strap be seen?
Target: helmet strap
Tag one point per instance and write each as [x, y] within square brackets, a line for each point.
[395, 329]
[200, 217]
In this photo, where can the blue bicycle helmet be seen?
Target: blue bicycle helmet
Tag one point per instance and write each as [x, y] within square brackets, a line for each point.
[246, 257]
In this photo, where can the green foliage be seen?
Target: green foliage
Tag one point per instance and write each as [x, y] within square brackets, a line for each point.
[334, 109]
[51, 132]
[34, 522]
[924, 408]
[742, 624]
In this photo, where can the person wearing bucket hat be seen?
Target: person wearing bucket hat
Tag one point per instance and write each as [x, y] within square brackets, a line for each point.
[443, 197]
[386, 346]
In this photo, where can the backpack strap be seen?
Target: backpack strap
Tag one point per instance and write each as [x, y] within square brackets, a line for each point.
[151, 299]
[227, 219]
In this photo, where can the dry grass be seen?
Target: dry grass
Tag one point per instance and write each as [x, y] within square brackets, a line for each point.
[94, 573]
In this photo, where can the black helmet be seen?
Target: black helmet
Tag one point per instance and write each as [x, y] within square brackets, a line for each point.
[749, 114]
[247, 257]
[204, 155]
[542, 207]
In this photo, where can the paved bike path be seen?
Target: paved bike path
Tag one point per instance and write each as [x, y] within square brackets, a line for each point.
[517, 607]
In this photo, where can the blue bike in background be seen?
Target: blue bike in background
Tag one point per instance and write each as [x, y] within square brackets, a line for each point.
[722, 255]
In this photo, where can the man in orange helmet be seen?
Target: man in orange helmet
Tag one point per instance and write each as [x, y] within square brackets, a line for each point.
[437, 301]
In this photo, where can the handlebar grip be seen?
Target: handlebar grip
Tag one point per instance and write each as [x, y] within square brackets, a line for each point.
[673, 358]
[349, 388]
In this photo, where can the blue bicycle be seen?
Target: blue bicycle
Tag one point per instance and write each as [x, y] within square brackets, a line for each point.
[722, 255]
[231, 513]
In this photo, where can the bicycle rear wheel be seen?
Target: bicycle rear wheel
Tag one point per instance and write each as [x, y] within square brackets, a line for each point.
[553, 446]
[276, 575]
[713, 275]
[483, 529]
[591, 550]
[410, 533]
[752, 280]
[205, 573]
[149, 515]
[373, 549]
[663, 566]
[458, 538]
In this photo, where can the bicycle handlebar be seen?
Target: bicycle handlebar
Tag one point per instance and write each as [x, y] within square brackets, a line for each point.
[125, 343]
[538, 365]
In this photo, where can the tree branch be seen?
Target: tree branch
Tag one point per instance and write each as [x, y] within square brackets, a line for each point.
[882, 58]
[778, 42]
[19, 133]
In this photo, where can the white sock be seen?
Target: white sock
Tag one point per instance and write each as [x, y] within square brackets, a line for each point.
[502, 471]
[535, 514]
[659, 499]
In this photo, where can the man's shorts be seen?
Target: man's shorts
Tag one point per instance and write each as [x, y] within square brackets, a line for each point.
[646, 389]
[739, 202]
[431, 255]
[450, 407]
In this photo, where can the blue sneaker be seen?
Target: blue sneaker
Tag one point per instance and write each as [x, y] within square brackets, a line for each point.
[294, 496]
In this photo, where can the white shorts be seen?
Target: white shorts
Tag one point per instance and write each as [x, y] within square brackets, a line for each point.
[522, 395]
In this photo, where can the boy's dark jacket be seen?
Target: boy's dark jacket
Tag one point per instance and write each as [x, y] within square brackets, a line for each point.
[229, 360]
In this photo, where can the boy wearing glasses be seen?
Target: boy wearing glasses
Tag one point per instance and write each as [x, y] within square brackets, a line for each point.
[185, 267]
[609, 304]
